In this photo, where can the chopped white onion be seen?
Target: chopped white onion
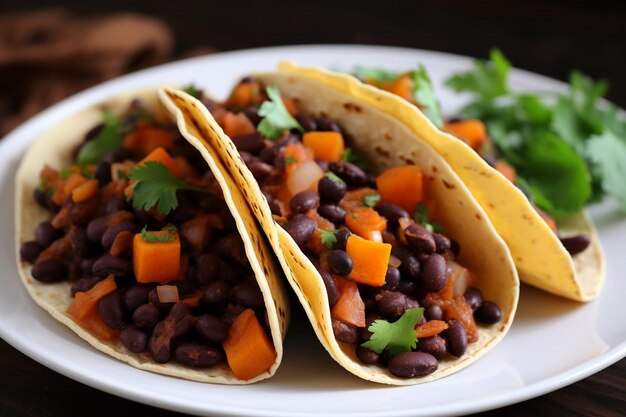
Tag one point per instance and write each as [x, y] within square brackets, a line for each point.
[167, 293]
[307, 174]
[461, 278]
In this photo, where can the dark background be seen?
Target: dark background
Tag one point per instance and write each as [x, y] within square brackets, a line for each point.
[547, 37]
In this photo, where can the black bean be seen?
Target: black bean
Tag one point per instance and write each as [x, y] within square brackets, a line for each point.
[49, 270]
[331, 287]
[306, 122]
[339, 262]
[136, 296]
[419, 239]
[252, 113]
[116, 204]
[82, 213]
[301, 227]
[433, 312]
[111, 311]
[455, 248]
[435, 345]
[211, 328]
[333, 213]
[107, 264]
[342, 238]
[247, 295]
[111, 233]
[232, 246]
[409, 266]
[160, 344]
[331, 190]
[350, 173]
[326, 124]
[211, 203]
[260, 170]
[134, 339]
[247, 157]
[442, 243]
[488, 313]
[391, 212]
[182, 319]
[45, 234]
[474, 297]
[274, 206]
[40, 197]
[207, 268]
[393, 304]
[324, 166]
[434, 275]
[79, 240]
[304, 201]
[407, 287]
[343, 332]
[146, 316]
[412, 364]
[392, 278]
[370, 317]
[252, 142]
[575, 244]
[186, 210]
[96, 228]
[103, 173]
[216, 293]
[197, 355]
[456, 338]
[84, 284]
[29, 251]
[366, 355]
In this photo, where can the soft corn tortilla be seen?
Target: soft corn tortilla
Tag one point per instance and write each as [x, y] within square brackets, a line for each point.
[541, 259]
[55, 148]
[388, 143]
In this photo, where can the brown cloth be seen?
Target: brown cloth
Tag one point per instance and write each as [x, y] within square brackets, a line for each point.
[48, 55]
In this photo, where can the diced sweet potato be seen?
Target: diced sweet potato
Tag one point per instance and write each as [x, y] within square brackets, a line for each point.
[369, 260]
[402, 186]
[326, 146]
[156, 261]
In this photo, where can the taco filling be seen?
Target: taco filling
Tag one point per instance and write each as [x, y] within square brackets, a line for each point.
[139, 227]
[415, 87]
[396, 290]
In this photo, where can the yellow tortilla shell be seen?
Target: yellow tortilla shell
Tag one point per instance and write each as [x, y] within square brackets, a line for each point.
[55, 148]
[541, 259]
[387, 143]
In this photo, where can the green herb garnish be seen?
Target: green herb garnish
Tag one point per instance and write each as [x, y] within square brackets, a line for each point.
[329, 237]
[152, 237]
[568, 149]
[290, 160]
[156, 186]
[108, 140]
[65, 173]
[276, 118]
[421, 217]
[396, 337]
[376, 74]
[425, 95]
[192, 90]
[370, 200]
[350, 155]
[334, 178]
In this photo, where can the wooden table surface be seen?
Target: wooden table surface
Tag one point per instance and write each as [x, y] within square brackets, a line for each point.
[547, 37]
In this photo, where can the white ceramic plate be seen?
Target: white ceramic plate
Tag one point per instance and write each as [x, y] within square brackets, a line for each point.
[552, 343]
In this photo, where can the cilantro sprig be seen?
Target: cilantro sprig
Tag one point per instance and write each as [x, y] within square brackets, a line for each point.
[567, 150]
[329, 237]
[421, 217]
[152, 237]
[396, 337]
[370, 200]
[276, 118]
[107, 140]
[352, 156]
[156, 187]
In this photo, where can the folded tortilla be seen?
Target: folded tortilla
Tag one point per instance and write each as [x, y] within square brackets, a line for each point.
[540, 257]
[55, 149]
[387, 143]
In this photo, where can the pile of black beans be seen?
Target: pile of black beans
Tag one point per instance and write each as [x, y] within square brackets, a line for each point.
[219, 272]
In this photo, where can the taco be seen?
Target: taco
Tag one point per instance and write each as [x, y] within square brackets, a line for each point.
[563, 257]
[130, 237]
[392, 295]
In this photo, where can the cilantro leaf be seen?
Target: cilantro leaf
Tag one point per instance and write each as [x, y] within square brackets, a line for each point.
[109, 139]
[65, 173]
[276, 118]
[329, 238]
[290, 160]
[377, 74]
[192, 90]
[421, 217]
[156, 186]
[334, 178]
[370, 200]
[425, 95]
[608, 153]
[350, 155]
[152, 237]
[396, 337]
[487, 79]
